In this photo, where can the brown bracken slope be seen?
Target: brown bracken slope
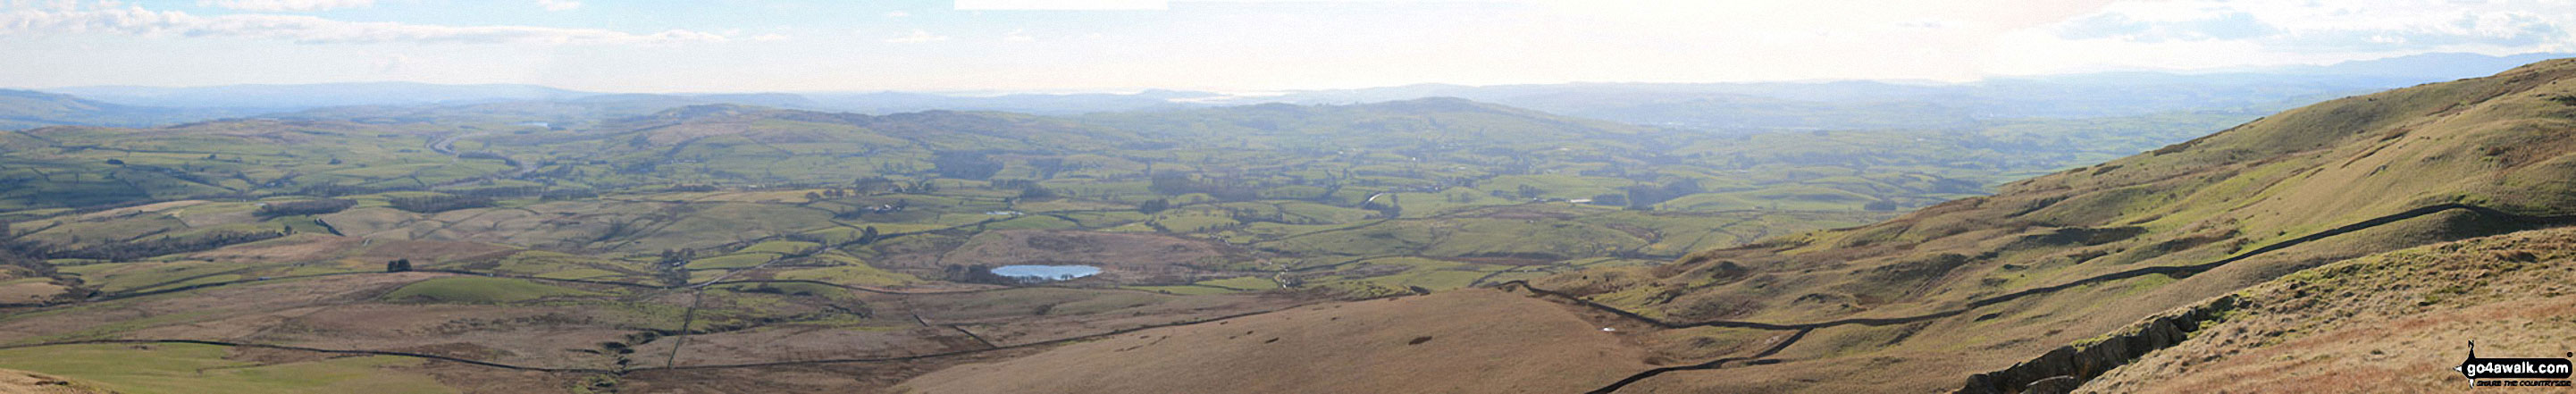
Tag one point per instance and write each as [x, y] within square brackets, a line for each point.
[2393, 322]
[1467, 341]
[1918, 303]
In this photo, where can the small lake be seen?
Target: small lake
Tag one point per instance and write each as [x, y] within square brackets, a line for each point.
[1048, 272]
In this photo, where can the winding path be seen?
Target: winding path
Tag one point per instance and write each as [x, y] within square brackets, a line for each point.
[1801, 329]
[2185, 270]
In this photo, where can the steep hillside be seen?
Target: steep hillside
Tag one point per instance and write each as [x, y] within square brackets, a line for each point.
[1921, 303]
[2392, 322]
[728, 248]
[1982, 283]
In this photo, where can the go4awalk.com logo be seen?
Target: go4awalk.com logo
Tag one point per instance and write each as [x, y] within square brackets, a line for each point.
[2514, 372]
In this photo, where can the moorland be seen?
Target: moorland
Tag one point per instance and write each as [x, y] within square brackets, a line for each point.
[644, 243]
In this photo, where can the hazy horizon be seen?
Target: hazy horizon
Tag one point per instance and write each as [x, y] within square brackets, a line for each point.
[995, 46]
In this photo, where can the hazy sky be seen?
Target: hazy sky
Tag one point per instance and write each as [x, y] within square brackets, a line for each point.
[1229, 45]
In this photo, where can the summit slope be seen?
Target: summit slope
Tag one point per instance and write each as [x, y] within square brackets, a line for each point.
[1979, 284]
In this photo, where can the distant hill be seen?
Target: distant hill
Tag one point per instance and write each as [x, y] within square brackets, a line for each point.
[2054, 260]
[2436, 66]
[21, 109]
[1761, 106]
[1882, 105]
[317, 95]
[1042, 104]
[2068, 275]
[1745, 107]
[564, 113]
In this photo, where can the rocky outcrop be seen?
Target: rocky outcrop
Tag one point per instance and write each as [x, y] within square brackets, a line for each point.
[2053, 385]
[23, 382]
[2063, 369]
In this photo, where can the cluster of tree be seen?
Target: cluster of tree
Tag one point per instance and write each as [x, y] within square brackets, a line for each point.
[304, 207]
[1389, 208]
[965, 165]
[1034, 192]
[499, 191]
[677, 256]
[333, 190]
[1153, 206]
[22, 252]
[826, 194]
[569, 194]
[1610, 199]
[1049, 166]
[1029, 189]
[868, 235]
[975, 274]
[1646, 196]
[1173, 184]
[897, 206]
[439, 203]
[881, 184]
[918, 187]
[873, 184]
[131, 250]
[1010, 183]
[398, 265]
[1527, 191]
[672, 268]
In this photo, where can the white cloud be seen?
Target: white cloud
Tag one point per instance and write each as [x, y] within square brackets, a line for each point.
[2200, 34]
[897, 14]
[917, 36]
[285, 5]
[1061, 5]
[134, 20]
[559, 5]
[390, 64]
[771, 37]
[1021, 35]
[2299, 26]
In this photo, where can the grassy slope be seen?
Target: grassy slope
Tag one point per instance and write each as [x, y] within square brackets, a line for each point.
[2495, 141]
[2396, 321]
[181, 368]
[1469, 341]
[1444, 158]
[478, 289]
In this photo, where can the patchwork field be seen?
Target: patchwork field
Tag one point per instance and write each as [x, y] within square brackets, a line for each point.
[1431, 245]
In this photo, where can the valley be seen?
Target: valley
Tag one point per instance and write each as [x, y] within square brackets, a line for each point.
[684, 244]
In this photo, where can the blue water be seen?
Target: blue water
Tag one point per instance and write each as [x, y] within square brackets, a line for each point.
[1052, 272]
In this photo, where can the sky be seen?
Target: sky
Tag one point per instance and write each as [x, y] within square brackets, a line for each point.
[1216, 45]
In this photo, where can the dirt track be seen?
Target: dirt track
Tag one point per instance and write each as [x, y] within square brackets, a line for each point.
[1801, 328]
[2178, 271]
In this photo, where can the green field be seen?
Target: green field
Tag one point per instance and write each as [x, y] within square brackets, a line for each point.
[193, 369]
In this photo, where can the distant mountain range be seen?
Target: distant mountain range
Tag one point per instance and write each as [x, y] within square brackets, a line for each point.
[290, 97]
[1743, 107]
[20, 109]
